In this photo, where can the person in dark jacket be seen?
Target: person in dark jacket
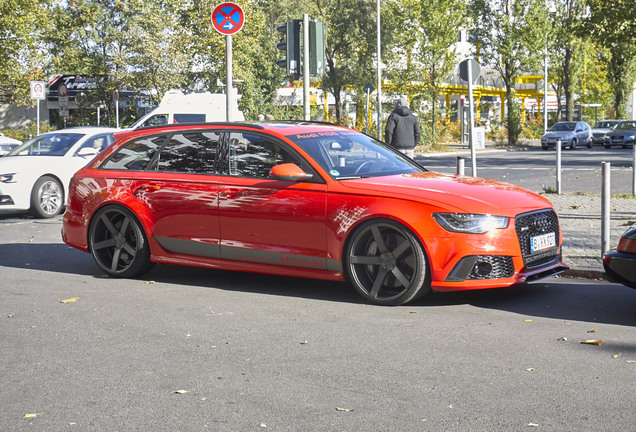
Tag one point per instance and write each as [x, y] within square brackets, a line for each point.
[402, 129]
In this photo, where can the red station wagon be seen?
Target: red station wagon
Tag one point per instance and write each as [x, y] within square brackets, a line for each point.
[306, 200]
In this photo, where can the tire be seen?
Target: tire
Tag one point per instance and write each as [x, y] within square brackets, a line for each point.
[386, 263]
[544, 147]
[47, 197]
[118, 244]
[589, 143]
[573, 144]
[607, 146]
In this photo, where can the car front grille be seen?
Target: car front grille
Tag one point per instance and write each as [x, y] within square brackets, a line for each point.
[616, 139]
[529, 225]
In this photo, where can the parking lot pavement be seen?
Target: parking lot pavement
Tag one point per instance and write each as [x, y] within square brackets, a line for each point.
[580, 216]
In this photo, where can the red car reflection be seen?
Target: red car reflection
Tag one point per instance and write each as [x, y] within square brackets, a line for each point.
[306, 200]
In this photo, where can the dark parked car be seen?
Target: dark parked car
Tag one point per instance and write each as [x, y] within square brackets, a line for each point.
[570, 133]
[602, 128]
[623, 135]
[620, 264]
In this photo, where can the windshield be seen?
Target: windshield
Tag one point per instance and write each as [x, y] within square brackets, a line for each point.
[605, 125]
[350, 154]
[627, 125]
[563, 127]
[55, 144]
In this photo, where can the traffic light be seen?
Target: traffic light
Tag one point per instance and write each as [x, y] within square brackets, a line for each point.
[291, 47]
[316, 48]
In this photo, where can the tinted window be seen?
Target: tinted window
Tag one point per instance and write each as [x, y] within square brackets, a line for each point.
[99, 142]
[189, 118]
[54, 144]
[193, 152]
[252, 155]
[135, 155]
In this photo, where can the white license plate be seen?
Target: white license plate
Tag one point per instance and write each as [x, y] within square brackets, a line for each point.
[542, 242]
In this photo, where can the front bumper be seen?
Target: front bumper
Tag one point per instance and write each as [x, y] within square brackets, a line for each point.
[620, 267]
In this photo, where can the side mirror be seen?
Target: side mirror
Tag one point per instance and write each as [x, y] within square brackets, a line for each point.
[289, 172]
[87, 151]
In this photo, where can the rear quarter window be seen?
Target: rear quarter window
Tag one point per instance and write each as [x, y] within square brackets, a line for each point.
[135, 155]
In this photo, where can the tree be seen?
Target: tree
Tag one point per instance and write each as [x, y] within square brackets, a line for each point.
[510, 37]
[22, 23]
[613, 25]
[567, 50]
[424, 47]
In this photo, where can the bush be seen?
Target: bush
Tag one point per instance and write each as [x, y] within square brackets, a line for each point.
[28, 132]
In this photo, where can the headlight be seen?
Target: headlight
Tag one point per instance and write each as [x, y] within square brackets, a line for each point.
[7, 178]
[470, 223]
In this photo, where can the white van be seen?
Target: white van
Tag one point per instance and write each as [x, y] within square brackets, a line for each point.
[177, 107]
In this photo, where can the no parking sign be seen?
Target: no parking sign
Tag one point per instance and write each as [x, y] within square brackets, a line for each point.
[228, 18]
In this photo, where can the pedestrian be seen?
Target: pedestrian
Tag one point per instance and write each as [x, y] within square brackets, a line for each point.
[402, 129]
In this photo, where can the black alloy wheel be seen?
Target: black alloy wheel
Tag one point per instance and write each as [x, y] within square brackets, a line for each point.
[118, 244]
[386, 263]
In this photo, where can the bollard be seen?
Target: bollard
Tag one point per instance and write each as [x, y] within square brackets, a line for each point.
[558, 167]
[634, 170]
[461, 161]
[605, 207]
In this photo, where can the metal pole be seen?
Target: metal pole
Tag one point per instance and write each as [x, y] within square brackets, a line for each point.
[379, 67]
[98, 114]
[545, 90]
[307, 109]
[37, 116]
[366, 115]
[605, 207]
[228, 77]
[634, 170]
[460, 165]
[117, 112]
[470, 119]
[558, 167]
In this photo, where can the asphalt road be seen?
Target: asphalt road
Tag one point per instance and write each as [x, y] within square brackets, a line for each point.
[535, 169]
[186, 349]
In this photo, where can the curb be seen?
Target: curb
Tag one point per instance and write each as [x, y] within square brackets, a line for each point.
[585, 273]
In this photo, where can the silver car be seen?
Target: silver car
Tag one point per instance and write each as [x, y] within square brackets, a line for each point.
[570, 133]
[602, 128]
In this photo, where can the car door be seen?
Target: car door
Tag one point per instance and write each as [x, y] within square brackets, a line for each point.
[270, 221]
[176, 190]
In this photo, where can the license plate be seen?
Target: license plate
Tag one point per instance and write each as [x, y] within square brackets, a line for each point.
[542, 242]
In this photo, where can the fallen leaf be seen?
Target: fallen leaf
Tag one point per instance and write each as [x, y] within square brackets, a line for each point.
[575, 206]
[616, 356]
[344, 409]
[533, 425]
[31, 239]
[631, 361]
[181, 391]
[11, 316]
[592, 331]
[528, 320]
[593, 342]
[70, 300]
[413, 312]
[30, 415]
[530, 370]
[150, 282]
[304, 342]
[562, 338]
[263, 425]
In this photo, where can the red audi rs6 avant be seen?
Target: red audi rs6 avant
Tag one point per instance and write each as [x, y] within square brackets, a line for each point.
[306, 200]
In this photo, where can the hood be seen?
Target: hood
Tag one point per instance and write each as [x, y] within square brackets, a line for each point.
[402, 110]
[454, 193]
[557, 134]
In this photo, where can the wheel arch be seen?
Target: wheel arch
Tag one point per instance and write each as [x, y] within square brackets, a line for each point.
[115, 204]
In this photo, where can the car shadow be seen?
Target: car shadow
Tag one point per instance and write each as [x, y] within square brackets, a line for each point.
[556, 298]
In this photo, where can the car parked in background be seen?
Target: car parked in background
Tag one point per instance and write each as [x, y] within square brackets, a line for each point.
[620, 264]
[35, 175]
[570, 133]
[623, 135]
[7, 144]
[306, 200]
[602, 128]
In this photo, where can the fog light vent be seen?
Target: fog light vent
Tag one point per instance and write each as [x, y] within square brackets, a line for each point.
[482, 267]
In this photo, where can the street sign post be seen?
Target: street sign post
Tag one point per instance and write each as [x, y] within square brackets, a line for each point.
[228, 18]
[38, 92]
[368, 89]
[469, 71]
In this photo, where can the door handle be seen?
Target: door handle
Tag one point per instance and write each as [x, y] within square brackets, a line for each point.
[229, 193]
[147, 189]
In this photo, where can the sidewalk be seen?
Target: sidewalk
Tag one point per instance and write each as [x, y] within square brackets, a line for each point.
[580, 217]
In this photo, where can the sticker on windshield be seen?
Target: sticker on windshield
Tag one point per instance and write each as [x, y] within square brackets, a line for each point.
[334, 173]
